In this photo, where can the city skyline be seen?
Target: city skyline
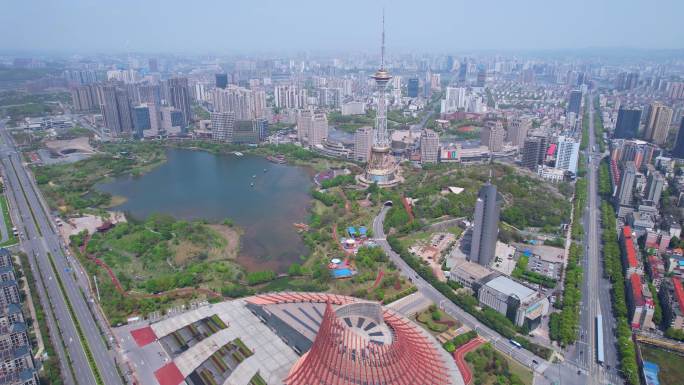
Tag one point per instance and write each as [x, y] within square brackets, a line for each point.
[275, 27]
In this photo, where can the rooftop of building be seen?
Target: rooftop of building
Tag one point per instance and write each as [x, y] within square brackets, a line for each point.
[20, 377]
[475, 271]
[9, 282]
[678, 292]
[509, 287]
[629, 247]
[9, 309]
[232, 342]
[637, 294]
[16, 327]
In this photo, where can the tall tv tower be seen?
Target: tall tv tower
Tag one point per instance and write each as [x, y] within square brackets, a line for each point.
[381, 77]
[381, 168]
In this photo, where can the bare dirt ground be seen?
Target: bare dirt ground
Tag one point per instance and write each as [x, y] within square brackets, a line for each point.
[185, 251]
[89, 223]
[80, 144]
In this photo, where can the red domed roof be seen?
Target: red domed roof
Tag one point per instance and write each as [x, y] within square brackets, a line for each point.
[341, 356]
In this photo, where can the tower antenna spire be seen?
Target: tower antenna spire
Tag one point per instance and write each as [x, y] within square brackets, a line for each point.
[382, 45]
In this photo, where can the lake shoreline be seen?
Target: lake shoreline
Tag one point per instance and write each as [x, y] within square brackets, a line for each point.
[266, 208]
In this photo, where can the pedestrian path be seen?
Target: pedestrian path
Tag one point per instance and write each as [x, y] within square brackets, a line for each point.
[459, 355]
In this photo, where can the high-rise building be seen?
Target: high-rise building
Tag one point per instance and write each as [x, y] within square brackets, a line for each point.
[658, 123]
[624, 194]
[534, 152]
[627, 125]
[155, 117]
[412, 88]
[289, 96]
[463, 71]
[81, 77]
[481, 77]
[517, 131]
[353, 108]
[179, 97]
[329, 97]
[363, 141]
[304, 123]
[449, 64]
[110, 112]
[222, 126]
[627, 81]
[456, 99]
[492, 135]
[319, 129]
[171, 121]
[567, 154]
[245, 132]
[261, 128]
[638, 151]
[150, 93]
[632, 80]
[486, 226]
[117, 111]
[153, 65]
[221, 80]
[200, 92]
[678, 149]
[141, 120]
[84, 98]
[245, 103]
[427, 85]
[429, 146]
[436, 82]
[654, 187]
[126, 76]
[575, 102]
[675, 90]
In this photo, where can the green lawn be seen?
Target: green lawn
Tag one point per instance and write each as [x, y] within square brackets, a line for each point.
[8, 222]
[414, 237]
[524, 373]
[492, 367]
[671, 364]
[457, 231]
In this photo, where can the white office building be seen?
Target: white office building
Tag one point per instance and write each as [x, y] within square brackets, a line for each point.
[222, 126]
[363, 141]
[519, 303]
[567, 154]
[353, 108]
[429, 146]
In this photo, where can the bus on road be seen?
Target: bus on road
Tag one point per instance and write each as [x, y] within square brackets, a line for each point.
[599, 339]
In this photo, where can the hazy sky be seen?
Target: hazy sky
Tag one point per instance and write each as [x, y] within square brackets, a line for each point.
[280, 25]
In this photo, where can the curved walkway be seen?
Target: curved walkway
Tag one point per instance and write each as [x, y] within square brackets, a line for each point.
[459, 355]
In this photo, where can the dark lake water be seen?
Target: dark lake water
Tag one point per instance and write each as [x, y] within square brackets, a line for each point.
[201, 185]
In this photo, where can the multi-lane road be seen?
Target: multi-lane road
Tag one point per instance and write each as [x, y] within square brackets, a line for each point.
[580, 366]
[596, 289]
[40, 240]
[545, 372]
